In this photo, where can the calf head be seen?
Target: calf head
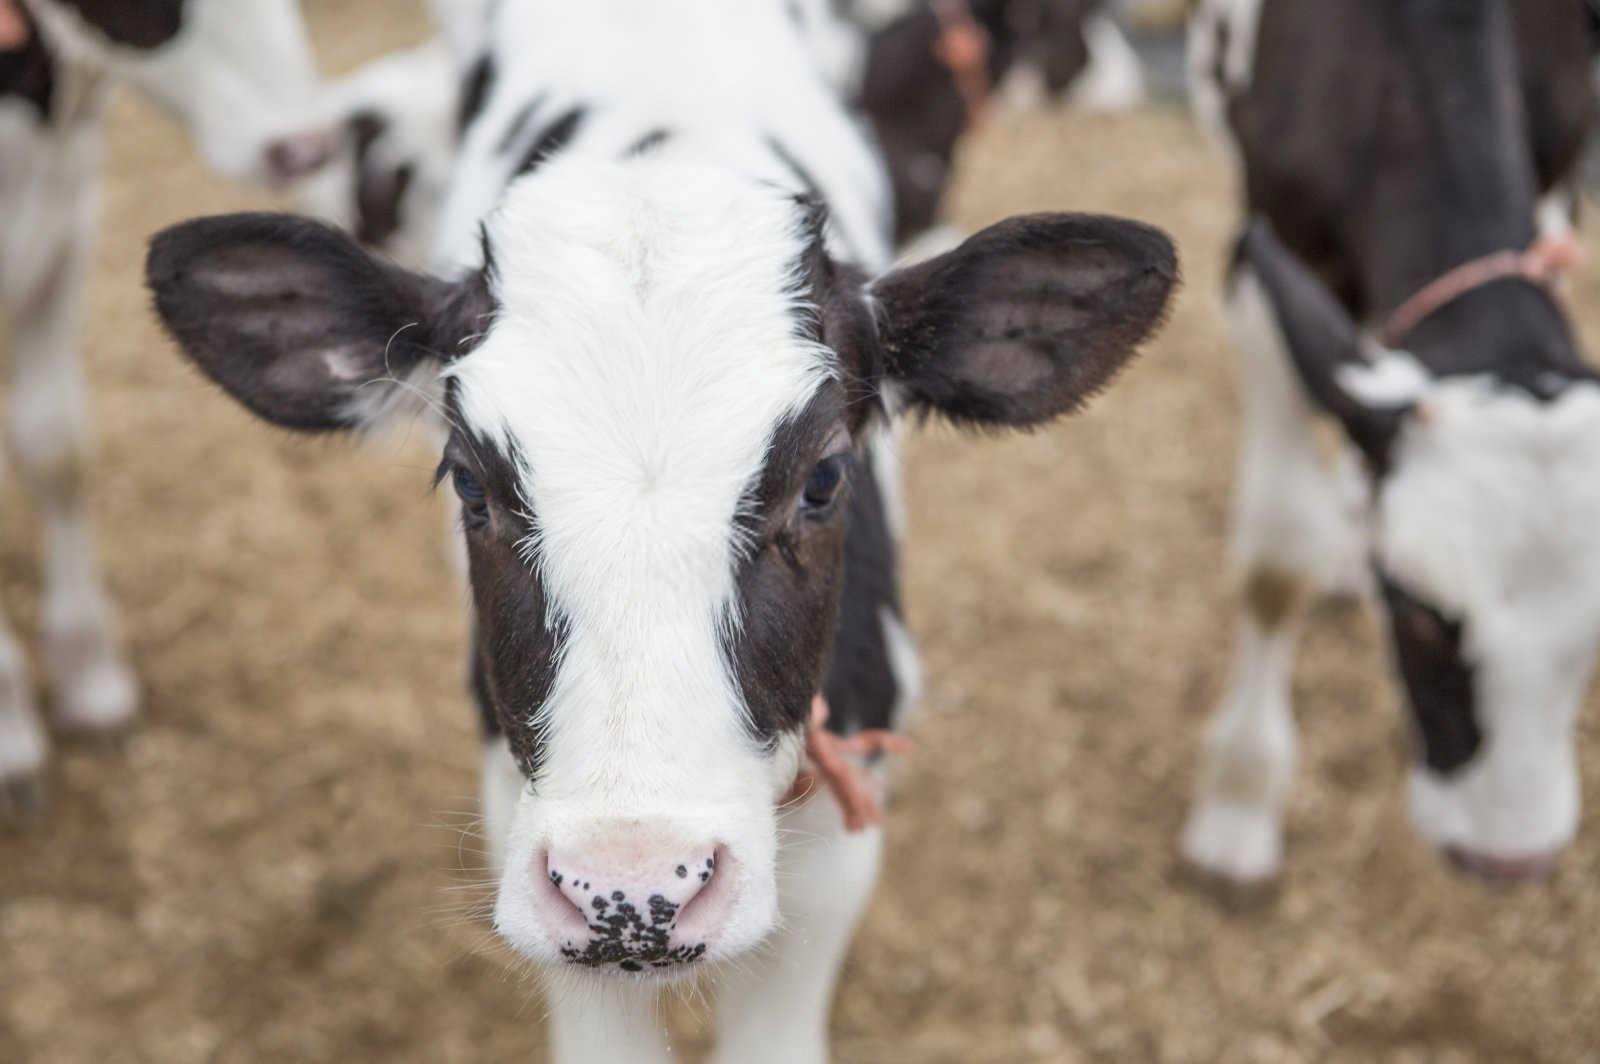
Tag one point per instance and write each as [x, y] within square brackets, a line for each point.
[1484, 502]
[658, 387]
[392, 130]
[235, 72]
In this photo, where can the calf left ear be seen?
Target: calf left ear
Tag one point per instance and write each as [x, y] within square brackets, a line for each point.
[1026, 320]
[298, 322]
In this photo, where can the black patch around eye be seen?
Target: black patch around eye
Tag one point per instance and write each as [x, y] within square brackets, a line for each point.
[1439, 681]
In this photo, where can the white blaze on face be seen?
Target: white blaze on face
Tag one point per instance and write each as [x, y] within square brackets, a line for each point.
[1489, 515]
[644, 350]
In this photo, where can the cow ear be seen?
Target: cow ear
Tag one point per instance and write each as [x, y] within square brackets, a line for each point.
[299, 323]
[1026, 320]
[1369, 397]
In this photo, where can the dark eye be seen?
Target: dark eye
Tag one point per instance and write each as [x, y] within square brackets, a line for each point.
[826, 480]
[474, 503]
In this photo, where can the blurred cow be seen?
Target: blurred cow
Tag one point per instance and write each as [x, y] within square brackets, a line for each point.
[397, 123]
[892, 59]
[1396, 283]
[236, 72]
[920, 71]
[668, 353]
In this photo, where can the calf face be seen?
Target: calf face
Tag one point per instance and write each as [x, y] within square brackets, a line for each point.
[658, 388]
[1482, 545]
[236, 72]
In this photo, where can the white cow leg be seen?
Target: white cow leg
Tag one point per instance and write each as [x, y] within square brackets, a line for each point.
[606, 1023]
[1293, 534]
[93, 689]
[1235, 827]
[774, 1007]
[23, 745]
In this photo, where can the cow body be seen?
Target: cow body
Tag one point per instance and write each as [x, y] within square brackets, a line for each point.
[226, 73]
[667, 360]
[1459, 496]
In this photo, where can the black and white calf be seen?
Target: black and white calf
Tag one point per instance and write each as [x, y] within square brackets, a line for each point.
[668, 356]
[1395, 152]
[233, 71]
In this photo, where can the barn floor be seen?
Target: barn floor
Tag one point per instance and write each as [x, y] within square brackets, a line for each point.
[280, 864]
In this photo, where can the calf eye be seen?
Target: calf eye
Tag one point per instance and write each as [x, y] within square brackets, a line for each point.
[474, 503]
[823, 486]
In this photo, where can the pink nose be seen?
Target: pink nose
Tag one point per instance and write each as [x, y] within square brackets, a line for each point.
[635, 907]
[1502, 870]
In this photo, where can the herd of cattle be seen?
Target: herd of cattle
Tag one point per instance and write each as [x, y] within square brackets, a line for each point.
[636, 264]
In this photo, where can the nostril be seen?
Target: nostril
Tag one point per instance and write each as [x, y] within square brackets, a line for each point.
[562, 898]
[703, 909]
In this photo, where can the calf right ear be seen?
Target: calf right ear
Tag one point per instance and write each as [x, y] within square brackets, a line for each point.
[1025, 321]
[298, 322]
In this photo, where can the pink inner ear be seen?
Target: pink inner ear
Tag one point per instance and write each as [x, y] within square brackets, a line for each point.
[1007, 367]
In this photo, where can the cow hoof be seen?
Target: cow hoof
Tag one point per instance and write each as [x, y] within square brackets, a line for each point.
[23, 800]
[1235, 851]
[97, 704]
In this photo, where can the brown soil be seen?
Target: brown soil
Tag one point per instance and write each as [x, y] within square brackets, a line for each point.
[280, 865]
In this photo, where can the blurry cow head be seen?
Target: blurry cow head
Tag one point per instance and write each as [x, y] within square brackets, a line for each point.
[658, 388]
[1485, 505]
[393, 124]
[236, 72]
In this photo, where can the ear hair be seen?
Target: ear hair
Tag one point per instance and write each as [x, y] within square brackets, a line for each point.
[297, 321]
[1026, 320]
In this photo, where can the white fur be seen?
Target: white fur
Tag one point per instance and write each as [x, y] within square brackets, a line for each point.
[417, 93]
[226, 73]
[239, 73]
[502, 785]
[722, 75]
[644, 352]
[774, 1007]
[1208, 95]
[1114, 78]
[1388, 379]
[1287, 519]
[1489, 515]
[47, 191]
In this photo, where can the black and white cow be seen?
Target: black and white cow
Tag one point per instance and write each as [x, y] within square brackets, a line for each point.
[893, 59]
[396, 116]
[1394, 153]
[667, 353]
[397, 122]
[234, 71]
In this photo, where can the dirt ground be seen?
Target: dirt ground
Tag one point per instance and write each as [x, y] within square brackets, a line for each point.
[280, 864]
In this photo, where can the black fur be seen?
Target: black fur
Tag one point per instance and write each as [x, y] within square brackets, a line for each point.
[380, 191]
[1027, 319]
[1427, 647]
[475, 91]
[555, 136]
[28, 73]
[143, 24]
[295, 319]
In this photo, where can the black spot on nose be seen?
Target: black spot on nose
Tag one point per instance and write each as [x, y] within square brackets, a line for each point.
[630, 966]
[683, 872]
